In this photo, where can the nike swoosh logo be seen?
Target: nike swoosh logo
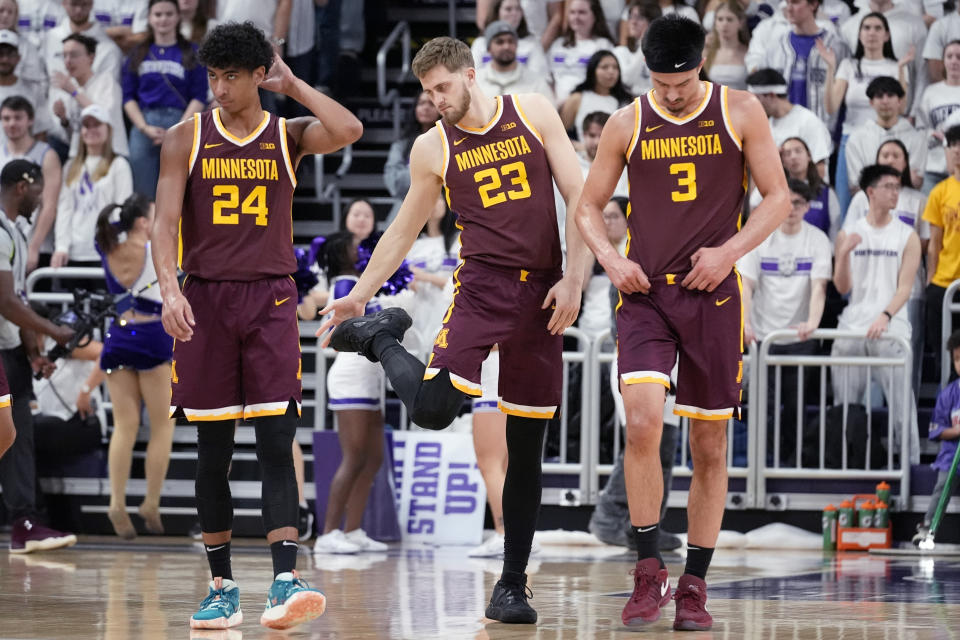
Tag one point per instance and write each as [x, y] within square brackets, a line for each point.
[215, 548]
[649, 129]
[647, 529]
[211, 146]
[456, 142]
[663, 589]
[720, 303]
[287, 543]
[677, 66]
[280, 302]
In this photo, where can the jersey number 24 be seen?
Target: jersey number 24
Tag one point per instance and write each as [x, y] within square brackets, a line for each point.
[224, 209]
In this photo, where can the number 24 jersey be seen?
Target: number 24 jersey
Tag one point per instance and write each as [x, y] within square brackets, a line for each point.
[236, 221]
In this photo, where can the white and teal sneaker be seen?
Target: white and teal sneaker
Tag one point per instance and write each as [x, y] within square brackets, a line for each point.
[221, 608]
[291, 601]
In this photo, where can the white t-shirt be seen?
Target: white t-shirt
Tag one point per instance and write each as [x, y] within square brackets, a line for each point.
[102, 89]
[430, 301]
[107, 59]
[36, 17]
[633, 70]
[932, 112]
[569, 64]
[259, 12]
[858, 105]
[13, 258]
[941, 33]
[529, 54]
[783, 267]
[874, 274]
[590, 102]
[81, 202]
[802, 123]
[536, 15]
[34, 93]
[70, 375]
[865, 141]
[909, 210]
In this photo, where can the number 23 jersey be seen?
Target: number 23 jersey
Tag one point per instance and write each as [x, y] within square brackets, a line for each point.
[687, 182]
[500, 186]
[236, 222]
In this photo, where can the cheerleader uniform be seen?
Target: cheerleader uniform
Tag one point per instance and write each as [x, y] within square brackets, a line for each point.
[136, 345]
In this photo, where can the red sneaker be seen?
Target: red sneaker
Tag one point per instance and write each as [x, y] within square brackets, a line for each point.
[651, 592]
[691, 597]
[28, 535]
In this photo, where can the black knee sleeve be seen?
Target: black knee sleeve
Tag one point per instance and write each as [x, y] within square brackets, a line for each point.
[522, 489]
[279, 483]
[214, 453]
[437, 404]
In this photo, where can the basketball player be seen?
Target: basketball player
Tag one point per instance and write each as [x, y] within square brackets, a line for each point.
[237, 351]
[685, 145]
[497, 158]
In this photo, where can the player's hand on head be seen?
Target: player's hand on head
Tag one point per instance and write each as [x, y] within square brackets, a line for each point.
[564, 297]
[627, 276]
[710, 267]
[339, 310]
[177, 317]
[279, 76]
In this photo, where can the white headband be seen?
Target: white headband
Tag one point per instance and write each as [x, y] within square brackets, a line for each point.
[778, 89]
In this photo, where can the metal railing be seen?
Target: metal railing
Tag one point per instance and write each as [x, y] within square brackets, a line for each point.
[762, 471]
[330, 191]
[392, 97]
[946, 327]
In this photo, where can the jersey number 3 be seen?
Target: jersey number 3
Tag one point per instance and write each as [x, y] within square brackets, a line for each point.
[687, 172]
[254, 204]
[490, 184]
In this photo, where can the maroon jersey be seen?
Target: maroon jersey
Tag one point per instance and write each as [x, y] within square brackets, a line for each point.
[687, 182]
[236, 222]
[500, 186]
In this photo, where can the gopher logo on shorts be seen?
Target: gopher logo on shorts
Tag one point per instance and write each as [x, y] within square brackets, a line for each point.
[441, 340]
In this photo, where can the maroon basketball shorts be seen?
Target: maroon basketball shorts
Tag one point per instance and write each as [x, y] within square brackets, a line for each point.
[502, 306]
[244, 357]
[4, 389]
[703, 329]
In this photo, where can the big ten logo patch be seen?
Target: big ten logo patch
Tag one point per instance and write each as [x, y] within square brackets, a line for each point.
[508, 126]
[703, 124]
[267, 146]
[441, 340]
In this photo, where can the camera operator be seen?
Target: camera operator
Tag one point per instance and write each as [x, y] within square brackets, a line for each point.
[21, 188]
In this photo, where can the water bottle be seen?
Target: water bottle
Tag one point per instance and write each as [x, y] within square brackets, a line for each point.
[865, 515]
[829, 528]
[845, 515]
[883, 492]
[881, 517]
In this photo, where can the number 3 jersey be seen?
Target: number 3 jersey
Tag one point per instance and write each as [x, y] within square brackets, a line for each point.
[236, 221]
[500, 186]
[687, 182]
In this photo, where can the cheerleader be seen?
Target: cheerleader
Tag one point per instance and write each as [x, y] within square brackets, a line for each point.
[354, 389]
[136, 358]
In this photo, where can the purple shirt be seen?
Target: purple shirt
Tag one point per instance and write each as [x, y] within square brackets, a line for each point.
[797, 82]
[945, 415]
[162, 81]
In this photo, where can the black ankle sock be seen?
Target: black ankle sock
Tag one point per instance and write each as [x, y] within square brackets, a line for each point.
[404, 370]
[284, 554]
[648, 542]
[698, 561]
[218, 555]
[521, 490]
[513, 577]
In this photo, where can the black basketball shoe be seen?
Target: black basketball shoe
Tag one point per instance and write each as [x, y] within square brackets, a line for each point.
[509, 603]
[356, 334]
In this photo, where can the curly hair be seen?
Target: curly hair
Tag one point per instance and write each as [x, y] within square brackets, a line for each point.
[236, 45]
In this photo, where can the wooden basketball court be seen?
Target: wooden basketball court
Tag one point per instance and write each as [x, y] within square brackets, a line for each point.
[101, 589]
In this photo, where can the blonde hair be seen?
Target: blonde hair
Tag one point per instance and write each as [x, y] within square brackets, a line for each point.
[75, 170]
[713, 44]
[450, 52]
